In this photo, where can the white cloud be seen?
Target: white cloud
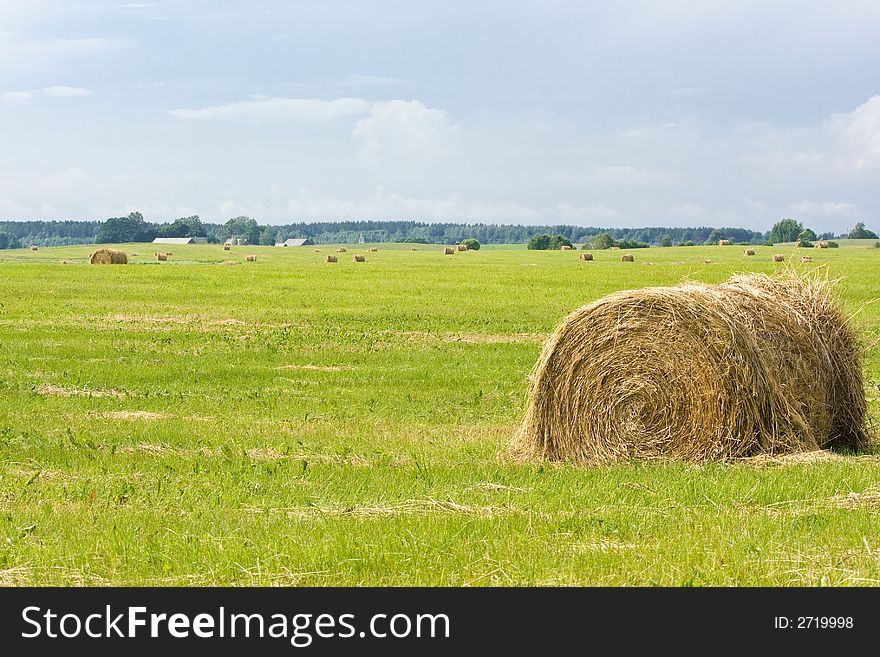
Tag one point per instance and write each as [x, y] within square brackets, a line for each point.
[824, 208]
[630, 175]
[687, 210]
[404, 133]
[55, 91]
[265, 109]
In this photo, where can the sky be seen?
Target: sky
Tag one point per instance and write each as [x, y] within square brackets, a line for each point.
[624, 114]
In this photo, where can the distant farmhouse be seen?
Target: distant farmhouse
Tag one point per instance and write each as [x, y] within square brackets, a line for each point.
[298, 242]
[180, 240]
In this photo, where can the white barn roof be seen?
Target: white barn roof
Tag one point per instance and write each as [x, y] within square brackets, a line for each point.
[296, 242]
[173, 240]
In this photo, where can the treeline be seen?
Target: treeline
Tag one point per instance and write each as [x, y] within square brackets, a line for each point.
[134, 228]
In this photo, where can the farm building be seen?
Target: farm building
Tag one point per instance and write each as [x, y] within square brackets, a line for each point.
[180, 240]
[296, 242]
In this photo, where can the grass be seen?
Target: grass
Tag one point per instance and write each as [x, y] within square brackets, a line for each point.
[295, 422]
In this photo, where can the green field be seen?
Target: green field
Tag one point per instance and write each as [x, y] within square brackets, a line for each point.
[294, 422]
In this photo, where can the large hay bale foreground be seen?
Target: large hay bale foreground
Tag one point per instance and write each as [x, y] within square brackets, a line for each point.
[586, 256]
[778, 258]
[698, 372]
[627, 258]
[749, 252]
[448, 250]
[251, 258]
[331, 258]
[359, 258]
[161, 257]
[461, 247]
[108, 257]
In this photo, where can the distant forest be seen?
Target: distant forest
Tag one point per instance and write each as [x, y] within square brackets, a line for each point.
[133, 228]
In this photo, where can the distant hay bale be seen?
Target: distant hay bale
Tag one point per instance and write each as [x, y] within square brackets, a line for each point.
[373, 249]
[749, 252]
[108, 257]
[778, 258]
[229, 262]
[331, 258]
[340, 250]
[317, 250]
[760, 365]
[723, 242]
[448, 250]
[359, 258]
[33, 248]
[134, 255]
[586, 256]
[227, 247]
[161, 257]
[565, 247]
[414, 248]
[461, 247]
[615, 248]
[821, 245]
[628, 257]
[806, 259]
[251, 258]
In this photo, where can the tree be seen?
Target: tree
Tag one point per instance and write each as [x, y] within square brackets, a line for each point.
[600, 242]
[4, 240]
[132, 228]
[714, 236]
[244, 229]
[859, 232]
[267, 236]
[471, 244]
[539, 243]
[809, 235]
[558, 241]
[666, 240]
[786, 230]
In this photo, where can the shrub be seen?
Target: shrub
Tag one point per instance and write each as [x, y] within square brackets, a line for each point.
[833, 245]
[688, 243]
[539, 243]
[471, 244]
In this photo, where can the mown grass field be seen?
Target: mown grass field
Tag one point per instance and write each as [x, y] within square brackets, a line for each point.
[298, 423]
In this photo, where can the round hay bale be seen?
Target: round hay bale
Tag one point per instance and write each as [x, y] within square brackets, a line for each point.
[414, 249]
[778, 258]
[448, 250]
[821, 245]
[161, 257]
[108, 257]
[760, 365]
[251, 258]
[461, 247]
[359, 258]
[33, 248]
[227, 247]
[806, 259]
[723, 242]
[331, 258]
[627, 258]
[340, 250]
[373, 249]
[586, 256]
[749, 252]
[565, 247]
[317, 250]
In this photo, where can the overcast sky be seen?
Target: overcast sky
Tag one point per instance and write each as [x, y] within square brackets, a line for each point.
[630, 113]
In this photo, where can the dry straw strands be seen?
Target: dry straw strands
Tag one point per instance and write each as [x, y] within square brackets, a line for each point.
[749, 252]
[331, 258]
[359, 258]
[251, 258]
[448, 250]
[161, 257]
[627, 258]
[723, 242]
[586, 256]
[108, 257]
[761, 365]
[778, 258]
